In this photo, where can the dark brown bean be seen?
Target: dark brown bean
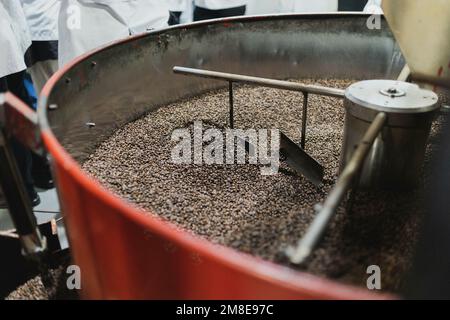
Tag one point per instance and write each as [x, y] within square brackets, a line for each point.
[234, 205]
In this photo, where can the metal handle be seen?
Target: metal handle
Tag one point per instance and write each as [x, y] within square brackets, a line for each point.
[306, 245]
[271, 83]
[297, 158]
[264, 82]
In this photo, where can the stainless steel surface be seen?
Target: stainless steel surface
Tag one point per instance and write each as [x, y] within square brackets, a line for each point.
[231, 103]
[301, 161]
[270, 83]
[396, 160]
[304, 120]
[134, 77]
[422, 29]
[391, 97]
[295, 157]
[299, 254]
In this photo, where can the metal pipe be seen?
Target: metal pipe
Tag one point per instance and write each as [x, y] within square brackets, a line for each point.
[313, 235]
[270, 83]
[18, 201]
[404, 74]
[230, 94]
[304, 120]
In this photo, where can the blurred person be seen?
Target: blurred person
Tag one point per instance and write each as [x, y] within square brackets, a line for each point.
[176, 9]
[212, 9]
[15, 36]
[42, 19]
[351, 5]
[258, 7]
[42, 59]
[188, 15]
[87, 24]
[304, 6]
[15, 40]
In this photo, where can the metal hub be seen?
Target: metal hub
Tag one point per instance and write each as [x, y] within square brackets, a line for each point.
[391, 97]
[393, 92]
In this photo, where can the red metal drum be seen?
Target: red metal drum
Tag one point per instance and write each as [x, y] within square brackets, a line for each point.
[124, 254]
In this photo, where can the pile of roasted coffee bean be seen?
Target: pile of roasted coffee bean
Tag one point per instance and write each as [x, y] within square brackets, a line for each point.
[236, 206]
[31, 290]
[56, 289]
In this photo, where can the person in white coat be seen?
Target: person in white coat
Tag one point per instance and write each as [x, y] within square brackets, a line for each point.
[87, 24]
[307, 6]
[14, 36]
[42, 18]
[15, 40]
[213, 9]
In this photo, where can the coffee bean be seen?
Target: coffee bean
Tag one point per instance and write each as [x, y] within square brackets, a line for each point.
[234, 205]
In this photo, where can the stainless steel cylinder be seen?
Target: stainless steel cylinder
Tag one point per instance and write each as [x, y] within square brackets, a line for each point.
[397, 155]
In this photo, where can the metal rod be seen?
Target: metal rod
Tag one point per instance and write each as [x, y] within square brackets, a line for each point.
[404, 74]
[18, 201]
[314, 234]
[304, 120]
[230, 94]
[271, 83]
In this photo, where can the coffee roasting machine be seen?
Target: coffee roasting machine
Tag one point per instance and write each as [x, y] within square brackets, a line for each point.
[386, 129]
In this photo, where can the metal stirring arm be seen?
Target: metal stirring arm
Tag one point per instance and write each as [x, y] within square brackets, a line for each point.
[296, 156]
[299, 254]
[270, 83]
[313, 170]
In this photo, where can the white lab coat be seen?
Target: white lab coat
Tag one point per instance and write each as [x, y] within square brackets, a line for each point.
[177, 5]
[220, 4]
[373, 7]
[14, 37]
[19, 22]
[42, 17]
[104, 21]
[305, 6]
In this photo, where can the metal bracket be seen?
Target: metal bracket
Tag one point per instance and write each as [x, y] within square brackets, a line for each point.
[306, 245]
[296, 155]
[20, 122]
